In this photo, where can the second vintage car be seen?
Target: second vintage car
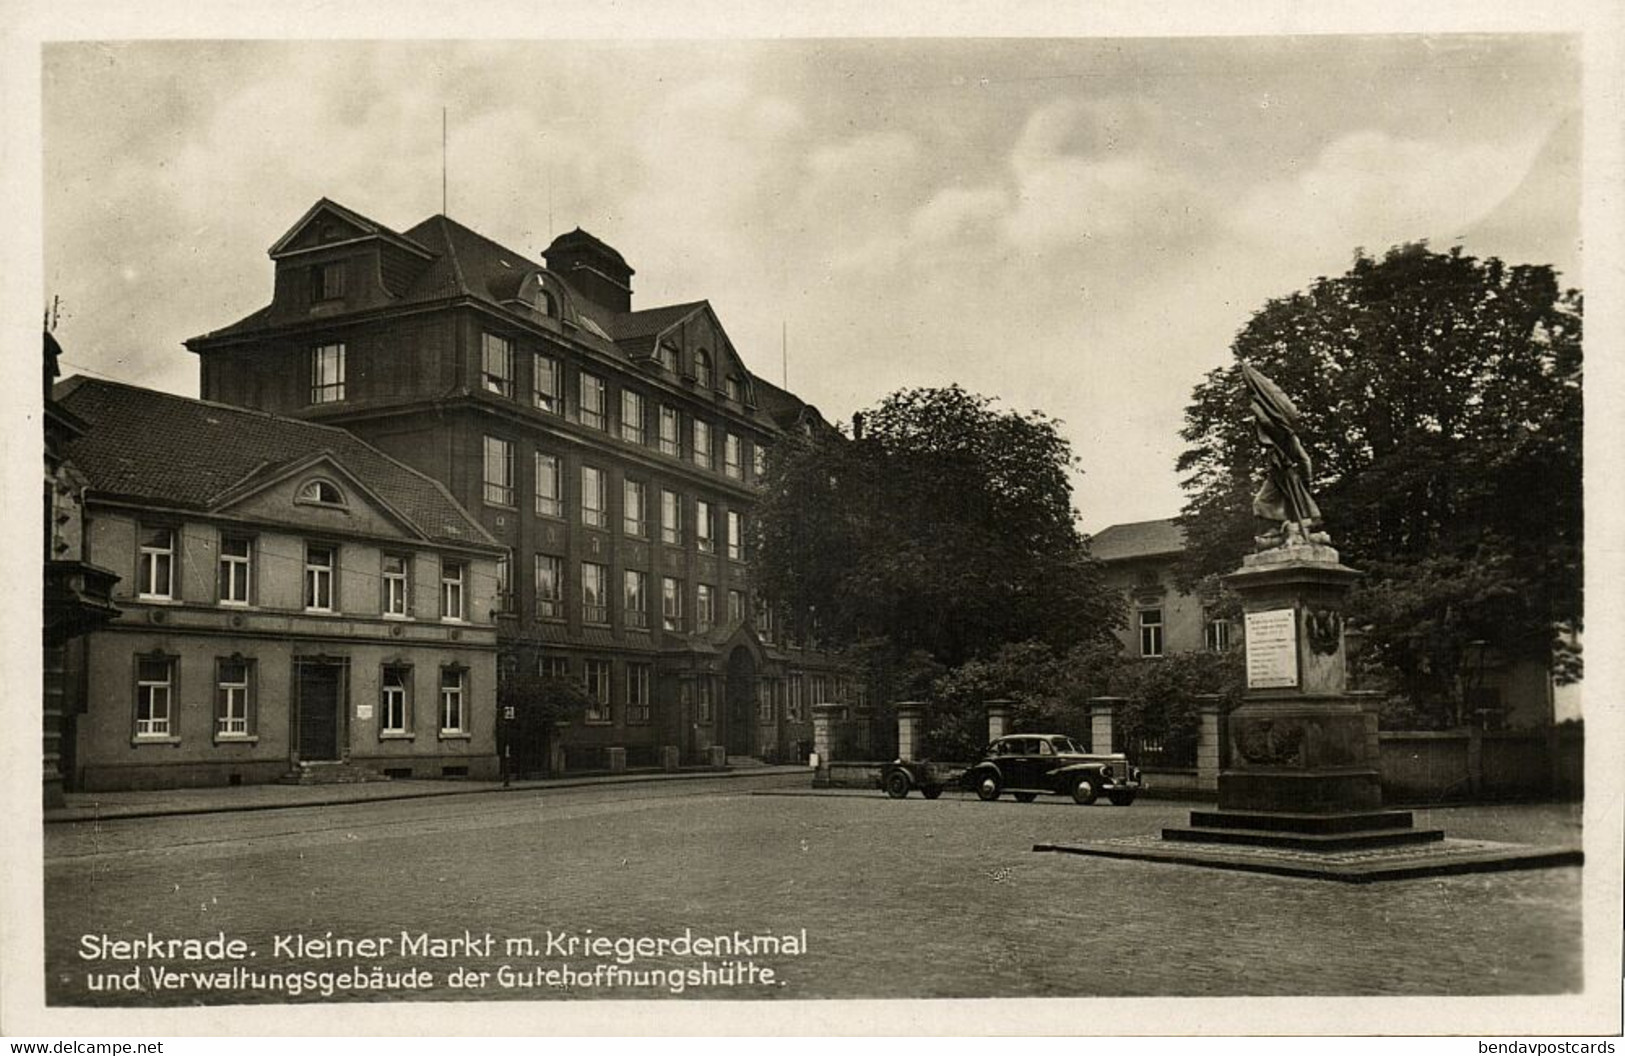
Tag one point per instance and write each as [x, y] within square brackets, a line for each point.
[1029, 765]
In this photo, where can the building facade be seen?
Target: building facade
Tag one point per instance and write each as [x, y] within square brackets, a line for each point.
[615, 455]
[1140, 559]
[292, 603]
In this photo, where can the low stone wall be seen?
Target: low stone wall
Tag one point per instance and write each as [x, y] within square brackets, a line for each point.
[1174, 782]
[850, 775]
[1455, 766]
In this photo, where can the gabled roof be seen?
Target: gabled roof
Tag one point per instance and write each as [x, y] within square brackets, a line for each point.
[186, 454]
[1122, 542]
[349, 216]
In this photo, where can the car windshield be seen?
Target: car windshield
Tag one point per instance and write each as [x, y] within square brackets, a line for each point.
[1068, 745]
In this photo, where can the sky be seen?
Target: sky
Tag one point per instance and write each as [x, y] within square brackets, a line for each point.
[1074, 226]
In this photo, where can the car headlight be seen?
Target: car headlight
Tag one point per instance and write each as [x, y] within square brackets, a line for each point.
[1106, 771]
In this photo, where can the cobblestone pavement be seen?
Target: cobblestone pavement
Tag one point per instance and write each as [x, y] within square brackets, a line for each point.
[897, 898]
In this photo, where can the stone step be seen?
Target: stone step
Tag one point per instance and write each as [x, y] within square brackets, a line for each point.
[330, 773]
[1303, 823]
[1334, 841]
[744, 762]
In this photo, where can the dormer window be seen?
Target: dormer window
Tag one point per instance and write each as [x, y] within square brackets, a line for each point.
[666, 356]
[702, 369]
[734, 389]
[327, 373]
[326, 282]
[321, 493]
[542, 301]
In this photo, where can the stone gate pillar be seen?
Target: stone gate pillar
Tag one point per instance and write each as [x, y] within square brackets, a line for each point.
[1102, 712]
[824, 717]
[1207, 743]
[909, 714]
[998, 719]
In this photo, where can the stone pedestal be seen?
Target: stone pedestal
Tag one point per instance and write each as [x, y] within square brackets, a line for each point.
[1301, 770]
[669, 757]
[1102, 711]
[909, 716]
[998, 719]
[1207, 745]
[716, 755]
[617, 759]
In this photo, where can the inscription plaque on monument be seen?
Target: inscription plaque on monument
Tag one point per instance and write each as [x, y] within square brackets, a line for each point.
[1272, 649]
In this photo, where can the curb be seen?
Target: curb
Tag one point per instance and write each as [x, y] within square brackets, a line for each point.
[63, 817]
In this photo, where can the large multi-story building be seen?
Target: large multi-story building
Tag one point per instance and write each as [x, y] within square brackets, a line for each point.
[1140, 560]
[289, 602]
[614, 453]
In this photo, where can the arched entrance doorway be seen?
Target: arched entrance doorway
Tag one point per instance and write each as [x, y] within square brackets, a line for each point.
[741, 701]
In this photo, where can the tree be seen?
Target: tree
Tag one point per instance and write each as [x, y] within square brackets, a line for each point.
[946, 528]
[1441, 400]
[539, 703]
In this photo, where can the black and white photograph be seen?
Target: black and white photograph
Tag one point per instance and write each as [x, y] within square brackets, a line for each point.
[755, 524]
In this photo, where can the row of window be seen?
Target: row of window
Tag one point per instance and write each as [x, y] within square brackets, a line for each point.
[634, 608]
[499, 490]
[236, 699]
[1216, 633]
[236, 579]
[636, 699]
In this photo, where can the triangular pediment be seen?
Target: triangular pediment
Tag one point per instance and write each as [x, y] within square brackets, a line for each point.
[315, 493]
[328, 223]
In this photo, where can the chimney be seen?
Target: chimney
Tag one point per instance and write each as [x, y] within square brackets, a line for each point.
[857, 425]
[592, 268]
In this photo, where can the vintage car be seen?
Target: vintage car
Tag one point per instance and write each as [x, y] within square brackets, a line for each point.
[1028, 765]
[899, 777]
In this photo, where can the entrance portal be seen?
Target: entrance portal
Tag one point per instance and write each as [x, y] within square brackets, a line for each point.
[319, 687]
[741, 702]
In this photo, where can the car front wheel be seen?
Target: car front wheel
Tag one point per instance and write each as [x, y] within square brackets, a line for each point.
[1120, 799]
[1084, 792]
[987, 788]
[897, 784]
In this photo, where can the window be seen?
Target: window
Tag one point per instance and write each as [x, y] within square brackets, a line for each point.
[733, 457]
[395, 585]
[733, 388]
[593, 512]
[319, 562]
[702, 444]
[594, 592]
[764, 620]
[670, 433]
[453, 708]
[736, 535]
[671, 518]
[394, 704]
[736, 606]
[505, 599]
[704, 527]
[633, 520]
[702, 369]
[637, 599]
[597, 680]
[326, 282]
[451, 589]
[792, 699]
[549, 586]
[549, 501]
[705, 699]
[637, 693]
[496, 365]
[547, 385]
[666, 356]
[556, 667]
[154, 687]
[236, 568]
[705, 608]
[631, 416]
[1150, 632]
[671, 603]
[327, 374]
[541, 300]
[155, 571]
[1218, 635]
[758, 456]
[321, 493]
[498, 472]
[592, 401]
[764, 700]
[231, 701]
[820, 689]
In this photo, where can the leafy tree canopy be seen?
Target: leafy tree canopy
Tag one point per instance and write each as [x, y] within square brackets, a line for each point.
[1441, 402]
[944, 529]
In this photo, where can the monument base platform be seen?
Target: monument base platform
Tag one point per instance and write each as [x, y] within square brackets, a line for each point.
[1307, 832]
[1438, 857]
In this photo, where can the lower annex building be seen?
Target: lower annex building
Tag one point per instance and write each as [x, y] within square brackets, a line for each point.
[290, 602]
[615, 455]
